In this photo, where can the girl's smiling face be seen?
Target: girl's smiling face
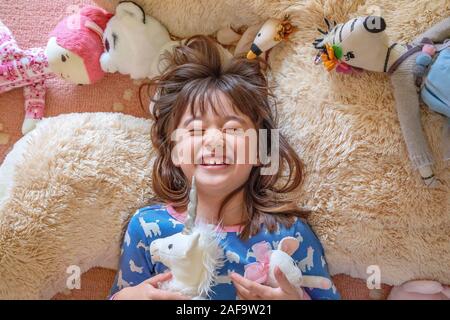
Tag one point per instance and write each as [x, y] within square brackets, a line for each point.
[219, 145]
[215, 119]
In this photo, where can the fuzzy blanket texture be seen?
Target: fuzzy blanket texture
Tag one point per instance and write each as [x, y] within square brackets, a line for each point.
[68, 188]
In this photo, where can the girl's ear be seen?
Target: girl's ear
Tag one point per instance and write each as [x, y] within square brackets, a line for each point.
[289, 245]
[177, 151]
[129, 8]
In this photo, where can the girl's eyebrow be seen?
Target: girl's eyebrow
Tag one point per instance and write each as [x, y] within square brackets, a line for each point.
[235, 118]
[190, 119]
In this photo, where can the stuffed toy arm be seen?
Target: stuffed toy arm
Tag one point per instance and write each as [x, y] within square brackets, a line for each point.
[310, 258]
[408, 109]
[438, 33]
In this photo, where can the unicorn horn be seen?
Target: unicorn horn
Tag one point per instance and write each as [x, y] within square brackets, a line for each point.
[191, 209]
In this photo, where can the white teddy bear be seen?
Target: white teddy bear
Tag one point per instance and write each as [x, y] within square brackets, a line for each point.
[134, 42]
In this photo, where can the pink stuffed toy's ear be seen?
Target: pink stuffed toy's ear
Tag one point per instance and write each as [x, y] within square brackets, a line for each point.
[289, 245]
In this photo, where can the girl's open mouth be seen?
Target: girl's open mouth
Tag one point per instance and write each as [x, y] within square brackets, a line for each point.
[214, 163]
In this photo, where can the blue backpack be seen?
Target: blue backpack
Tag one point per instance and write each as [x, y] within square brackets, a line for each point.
[435, 91]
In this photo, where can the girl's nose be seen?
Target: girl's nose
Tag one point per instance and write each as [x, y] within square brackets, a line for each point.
[213, 139]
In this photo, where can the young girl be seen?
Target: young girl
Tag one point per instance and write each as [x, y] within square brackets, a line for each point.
[212, 104]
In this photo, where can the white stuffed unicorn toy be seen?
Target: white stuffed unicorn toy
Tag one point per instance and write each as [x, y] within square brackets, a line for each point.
[193, 255]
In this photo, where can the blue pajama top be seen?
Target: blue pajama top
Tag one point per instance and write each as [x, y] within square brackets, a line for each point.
[160, 221]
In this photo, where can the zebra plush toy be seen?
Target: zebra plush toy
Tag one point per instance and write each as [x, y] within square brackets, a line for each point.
[422, 66]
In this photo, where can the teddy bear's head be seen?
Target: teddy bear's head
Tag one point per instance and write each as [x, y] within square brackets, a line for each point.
[132, 42]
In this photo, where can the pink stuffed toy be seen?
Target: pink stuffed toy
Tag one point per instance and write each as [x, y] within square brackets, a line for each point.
[420, 290]
[76, 44]
[263, 270]
[24, 68]
[73, 52]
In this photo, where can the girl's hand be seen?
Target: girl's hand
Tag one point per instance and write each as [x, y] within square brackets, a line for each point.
[251, 290]
[149, 290]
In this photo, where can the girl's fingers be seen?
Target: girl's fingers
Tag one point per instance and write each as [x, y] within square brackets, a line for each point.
[253, 287]
[158, 294]
[166, 295]
[244, 294]
[156, 280]
[284, 283]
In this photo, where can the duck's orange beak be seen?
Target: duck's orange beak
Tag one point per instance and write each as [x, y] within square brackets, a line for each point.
[251, 55]
[254, 52]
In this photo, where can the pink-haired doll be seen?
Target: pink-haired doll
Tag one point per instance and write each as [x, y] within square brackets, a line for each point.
[73, 53]
[76, 44]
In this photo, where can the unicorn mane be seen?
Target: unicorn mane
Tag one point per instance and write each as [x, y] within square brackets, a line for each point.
[213, 257]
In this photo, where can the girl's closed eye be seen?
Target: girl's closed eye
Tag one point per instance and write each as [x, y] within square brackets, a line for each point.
[196, 131]
[235, 127]
[195, 128]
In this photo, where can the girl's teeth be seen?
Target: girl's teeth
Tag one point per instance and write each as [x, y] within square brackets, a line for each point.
[214, 162]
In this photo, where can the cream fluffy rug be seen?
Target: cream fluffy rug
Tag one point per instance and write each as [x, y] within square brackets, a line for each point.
[73, 191]
[77, 179]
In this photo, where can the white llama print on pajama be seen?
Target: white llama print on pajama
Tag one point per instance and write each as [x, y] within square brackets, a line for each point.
[135, 268]
[299, 237]
[121, 283]
[141, 245]
[224, 279]
[232, 257]
[175, 222]
[323, 261]
[308, 263]
[127, 239]
[151, 229]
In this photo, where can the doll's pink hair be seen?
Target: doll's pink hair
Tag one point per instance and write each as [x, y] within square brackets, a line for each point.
[75, 33]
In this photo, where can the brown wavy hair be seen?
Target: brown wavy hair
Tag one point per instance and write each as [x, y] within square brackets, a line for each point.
[194, 70]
